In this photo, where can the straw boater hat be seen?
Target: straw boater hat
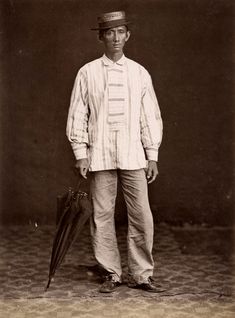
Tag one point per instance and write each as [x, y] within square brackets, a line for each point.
[111, 20]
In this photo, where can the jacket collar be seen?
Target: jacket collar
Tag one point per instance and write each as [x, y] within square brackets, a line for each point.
[108, 62]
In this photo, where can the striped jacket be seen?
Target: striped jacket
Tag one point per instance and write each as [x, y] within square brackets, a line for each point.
[127, 141]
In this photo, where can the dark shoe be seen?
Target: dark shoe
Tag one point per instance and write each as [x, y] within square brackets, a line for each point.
[149, 286]
[109, 286]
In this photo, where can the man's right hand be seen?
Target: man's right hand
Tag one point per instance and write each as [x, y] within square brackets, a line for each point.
[82, 165]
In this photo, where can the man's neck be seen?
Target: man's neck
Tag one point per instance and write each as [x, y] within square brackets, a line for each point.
[115, 56]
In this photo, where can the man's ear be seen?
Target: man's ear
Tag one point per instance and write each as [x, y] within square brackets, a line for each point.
[128, 34]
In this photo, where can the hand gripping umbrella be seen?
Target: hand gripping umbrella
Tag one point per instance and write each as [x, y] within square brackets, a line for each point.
[76, 210]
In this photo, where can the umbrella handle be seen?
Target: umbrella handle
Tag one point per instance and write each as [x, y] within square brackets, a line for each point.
[79, 182]
[80, 179]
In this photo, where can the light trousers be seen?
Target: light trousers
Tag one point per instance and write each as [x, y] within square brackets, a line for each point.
[140, 223]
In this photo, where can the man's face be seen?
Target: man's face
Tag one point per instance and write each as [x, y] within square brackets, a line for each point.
[114, 39]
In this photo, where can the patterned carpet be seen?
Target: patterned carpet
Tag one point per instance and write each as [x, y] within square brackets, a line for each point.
[194, 266]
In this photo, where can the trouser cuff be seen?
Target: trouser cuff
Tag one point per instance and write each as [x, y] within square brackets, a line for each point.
[135, 279]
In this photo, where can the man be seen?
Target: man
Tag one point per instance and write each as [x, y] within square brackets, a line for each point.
[115, 129]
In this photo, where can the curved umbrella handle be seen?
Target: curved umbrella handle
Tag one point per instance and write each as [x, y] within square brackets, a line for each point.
[80, 179]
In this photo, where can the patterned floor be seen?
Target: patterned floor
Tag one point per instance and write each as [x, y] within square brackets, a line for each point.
[194, 265]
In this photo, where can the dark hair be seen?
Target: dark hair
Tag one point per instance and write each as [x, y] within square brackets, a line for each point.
[102, 32]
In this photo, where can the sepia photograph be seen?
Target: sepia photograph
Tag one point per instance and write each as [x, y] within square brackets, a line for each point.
[117, 158]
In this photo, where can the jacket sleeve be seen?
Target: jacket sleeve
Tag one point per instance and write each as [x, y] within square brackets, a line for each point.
[150, 120]
[78, 115]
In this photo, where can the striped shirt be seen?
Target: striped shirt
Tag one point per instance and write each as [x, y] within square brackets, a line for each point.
[116, 96]
[114, 119]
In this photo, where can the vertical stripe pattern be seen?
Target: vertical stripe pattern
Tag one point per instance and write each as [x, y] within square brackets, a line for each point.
[114, 117]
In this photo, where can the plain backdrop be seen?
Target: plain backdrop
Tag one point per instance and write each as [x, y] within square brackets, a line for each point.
[186, 45]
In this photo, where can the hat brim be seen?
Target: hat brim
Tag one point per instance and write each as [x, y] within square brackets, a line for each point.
[111, 24]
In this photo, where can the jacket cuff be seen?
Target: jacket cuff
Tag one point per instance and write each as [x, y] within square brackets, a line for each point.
[151, 154]
[79, 150]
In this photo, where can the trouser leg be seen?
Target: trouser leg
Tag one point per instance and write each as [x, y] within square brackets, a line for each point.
[103, 194]
[140, 224]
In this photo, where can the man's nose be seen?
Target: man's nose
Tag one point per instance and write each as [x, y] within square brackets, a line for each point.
[116, 37]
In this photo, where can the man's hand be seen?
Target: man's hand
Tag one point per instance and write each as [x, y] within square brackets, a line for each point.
[151, 171]
[82, 165]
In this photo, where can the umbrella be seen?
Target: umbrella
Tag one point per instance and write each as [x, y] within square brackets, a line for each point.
[73, 210]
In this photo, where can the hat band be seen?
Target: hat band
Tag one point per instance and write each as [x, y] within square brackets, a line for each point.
[110, 24]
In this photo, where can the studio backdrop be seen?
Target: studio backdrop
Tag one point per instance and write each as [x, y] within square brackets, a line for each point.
[186, 46]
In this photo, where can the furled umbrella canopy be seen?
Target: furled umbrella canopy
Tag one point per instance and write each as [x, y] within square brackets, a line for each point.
[76, 209]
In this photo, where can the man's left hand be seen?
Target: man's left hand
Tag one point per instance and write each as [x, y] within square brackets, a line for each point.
[151, 171]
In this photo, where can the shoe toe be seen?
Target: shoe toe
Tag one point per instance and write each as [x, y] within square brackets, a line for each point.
[109, 287]
[148, 287]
